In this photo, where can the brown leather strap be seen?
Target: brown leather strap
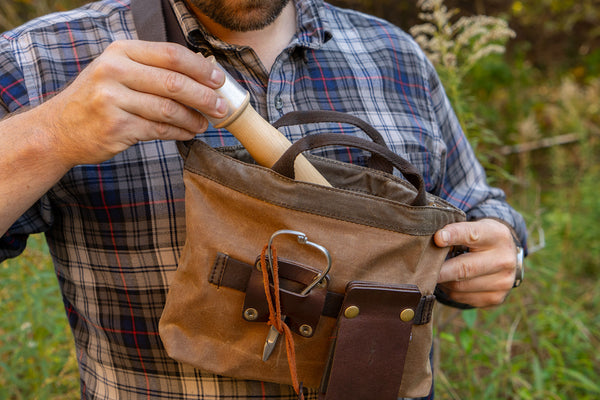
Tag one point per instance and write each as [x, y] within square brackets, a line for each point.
[155, 21]
[285, 164]
[149, 20]
[317, 116]
[303, 311]
[235, 274]
[373, 334]
[305, 117]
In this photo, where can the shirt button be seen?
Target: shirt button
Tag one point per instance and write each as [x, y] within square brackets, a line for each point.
[278, 103]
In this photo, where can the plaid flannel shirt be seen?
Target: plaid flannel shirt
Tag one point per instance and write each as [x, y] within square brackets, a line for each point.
[116, 229]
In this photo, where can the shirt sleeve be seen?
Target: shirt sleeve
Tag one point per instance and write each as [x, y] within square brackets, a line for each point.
[464, 183]
[13, 96]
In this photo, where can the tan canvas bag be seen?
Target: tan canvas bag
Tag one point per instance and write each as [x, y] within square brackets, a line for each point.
[364, 330]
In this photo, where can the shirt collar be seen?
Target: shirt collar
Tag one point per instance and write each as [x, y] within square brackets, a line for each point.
[312, 32]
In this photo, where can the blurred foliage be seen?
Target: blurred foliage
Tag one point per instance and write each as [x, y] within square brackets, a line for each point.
[455, 45]
[37, 357]
[574, 22]
[551, 34]
[16, 12]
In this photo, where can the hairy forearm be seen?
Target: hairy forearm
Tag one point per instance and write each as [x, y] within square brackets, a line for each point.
[30, 164]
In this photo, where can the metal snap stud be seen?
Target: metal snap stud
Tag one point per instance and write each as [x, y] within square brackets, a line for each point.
[351, 312]
[250, 314]
[407, 315]
[306, 330]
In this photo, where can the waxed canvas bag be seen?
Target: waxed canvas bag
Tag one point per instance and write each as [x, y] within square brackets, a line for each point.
[366, 327]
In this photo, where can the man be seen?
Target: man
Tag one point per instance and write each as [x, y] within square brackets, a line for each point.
[88, 156]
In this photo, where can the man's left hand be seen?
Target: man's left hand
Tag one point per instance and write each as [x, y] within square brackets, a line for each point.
[484, 275]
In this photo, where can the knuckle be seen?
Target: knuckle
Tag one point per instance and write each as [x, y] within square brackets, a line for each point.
[167, 109]
[472, 234]
[459, 297]
[172, 55]
[464, 271]
[508, 262]
[102, 96]
[115, 121]
[117, 45]
[497, 298]
[162, 130]
[201, 124]
[205, 99]
[460, 286]
[508, 279]
[119, 119]
[108, 68]
[173, 82]
[501, 228]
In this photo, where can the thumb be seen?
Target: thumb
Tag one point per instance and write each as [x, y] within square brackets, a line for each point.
[458, 234]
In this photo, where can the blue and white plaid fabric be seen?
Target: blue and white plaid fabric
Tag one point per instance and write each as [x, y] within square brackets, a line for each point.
[116, 229]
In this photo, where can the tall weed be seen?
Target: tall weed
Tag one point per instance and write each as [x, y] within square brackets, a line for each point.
[541, 343]
[455, 47]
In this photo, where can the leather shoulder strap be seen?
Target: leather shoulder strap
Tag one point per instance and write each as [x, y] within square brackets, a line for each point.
[155, 21]
[149, 20]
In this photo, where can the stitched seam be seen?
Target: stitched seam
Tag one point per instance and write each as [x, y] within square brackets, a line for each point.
[330, 189]
[355, 220]
[218, 266]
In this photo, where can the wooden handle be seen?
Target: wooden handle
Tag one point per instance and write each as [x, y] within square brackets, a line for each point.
[264, 143]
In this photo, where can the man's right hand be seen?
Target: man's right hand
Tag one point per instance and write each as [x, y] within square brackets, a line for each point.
[134, 91]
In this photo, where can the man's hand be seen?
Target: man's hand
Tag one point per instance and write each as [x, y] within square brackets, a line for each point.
[134, 91]
[483, 276]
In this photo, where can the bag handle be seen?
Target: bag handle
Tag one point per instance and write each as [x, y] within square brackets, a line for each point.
[304, 117]
[285, 164]
[317, 116]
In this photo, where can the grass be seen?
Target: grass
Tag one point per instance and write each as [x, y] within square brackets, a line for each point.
[37, 359]
[542, 343]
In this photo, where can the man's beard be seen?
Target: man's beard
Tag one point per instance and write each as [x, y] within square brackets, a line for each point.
[241, 15]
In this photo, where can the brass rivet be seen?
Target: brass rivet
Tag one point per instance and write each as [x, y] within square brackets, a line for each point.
[407, 315]
[250, 314]
[351, 312]
[306, 330]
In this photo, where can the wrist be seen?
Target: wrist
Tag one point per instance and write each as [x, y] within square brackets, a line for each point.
[36, 144]
[54, 141]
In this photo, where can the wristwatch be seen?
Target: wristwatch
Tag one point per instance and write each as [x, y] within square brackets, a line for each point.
[520, 272]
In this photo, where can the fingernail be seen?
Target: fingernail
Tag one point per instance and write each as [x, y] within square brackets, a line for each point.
[217, 76]
[221, 105]
[445, 236]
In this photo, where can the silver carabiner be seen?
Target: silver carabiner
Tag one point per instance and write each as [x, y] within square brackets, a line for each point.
[273, 334]
[302, 239]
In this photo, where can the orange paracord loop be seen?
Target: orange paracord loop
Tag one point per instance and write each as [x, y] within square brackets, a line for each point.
[275, 315]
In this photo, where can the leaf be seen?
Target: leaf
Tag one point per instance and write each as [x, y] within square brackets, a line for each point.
[583, 381]
[470, 317]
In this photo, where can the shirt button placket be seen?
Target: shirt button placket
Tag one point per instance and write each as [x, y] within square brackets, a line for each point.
[278, 102]
[277, 91]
